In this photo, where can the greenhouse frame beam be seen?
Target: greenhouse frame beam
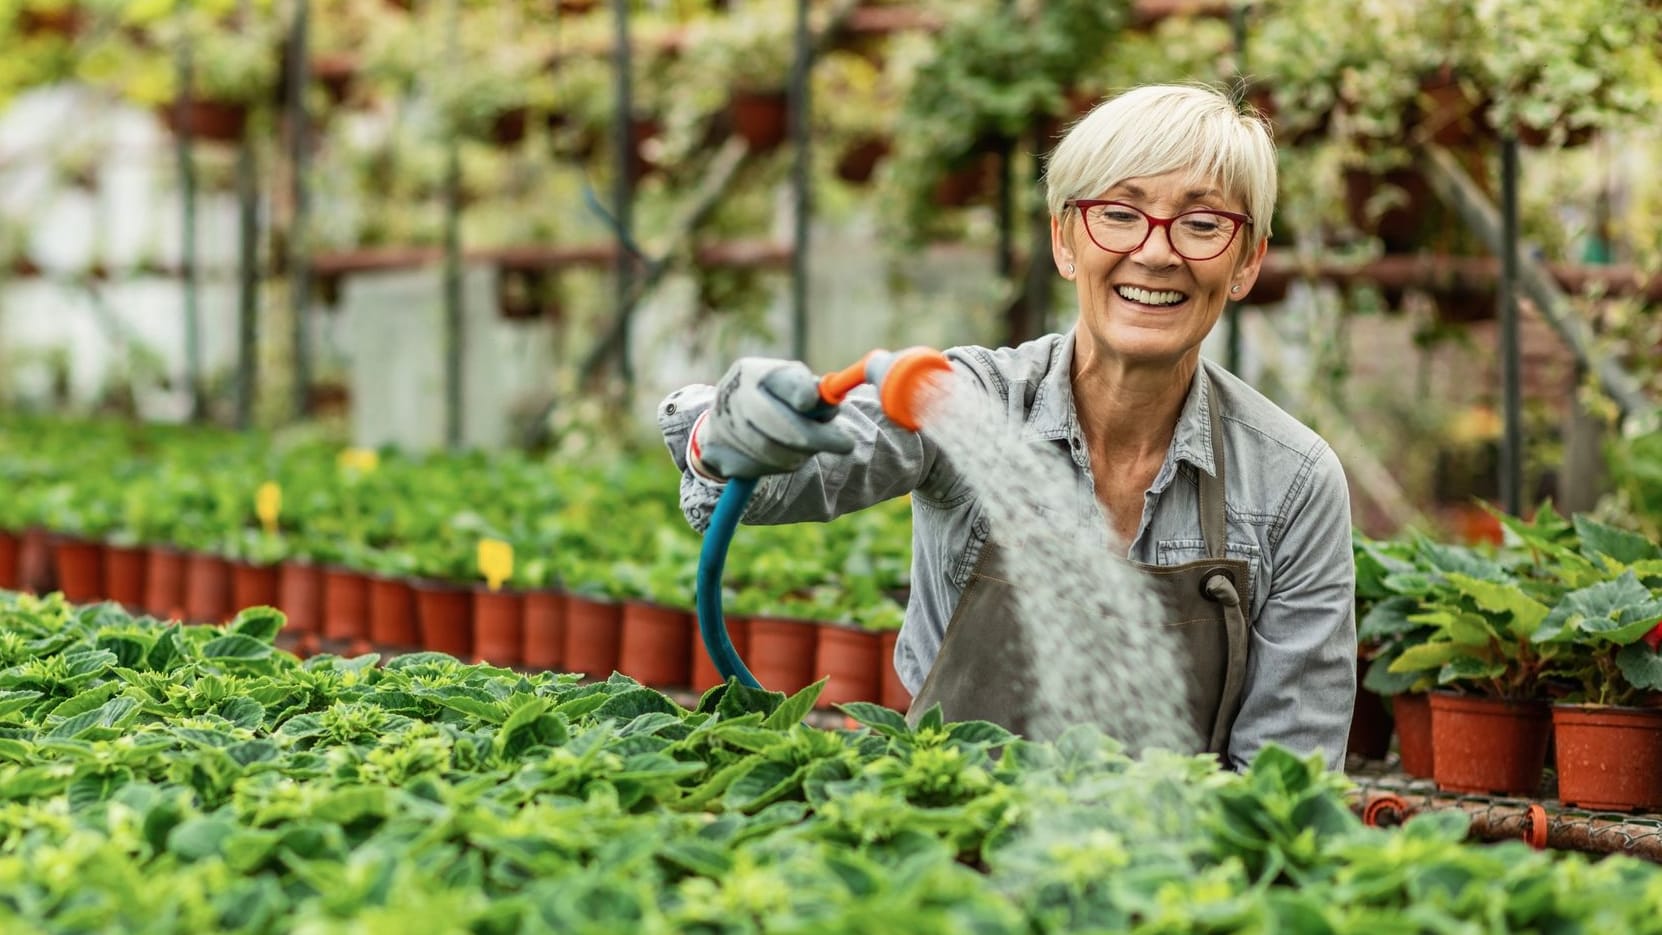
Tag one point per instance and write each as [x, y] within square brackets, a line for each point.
[1457, 189]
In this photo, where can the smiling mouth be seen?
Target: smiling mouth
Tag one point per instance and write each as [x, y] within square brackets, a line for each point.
[1154, 298]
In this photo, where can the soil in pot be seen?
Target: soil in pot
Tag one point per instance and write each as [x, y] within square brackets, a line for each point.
[1489, 746]
[1608, 758]
[498, 626]
[655, 646]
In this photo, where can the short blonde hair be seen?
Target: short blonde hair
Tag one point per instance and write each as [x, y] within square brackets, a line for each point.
[1163, 128]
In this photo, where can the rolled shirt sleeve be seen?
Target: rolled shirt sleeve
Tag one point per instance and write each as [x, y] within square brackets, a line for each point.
[1301, 671]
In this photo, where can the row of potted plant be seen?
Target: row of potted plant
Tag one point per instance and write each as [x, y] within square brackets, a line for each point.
[1489, 655]
[371, 548]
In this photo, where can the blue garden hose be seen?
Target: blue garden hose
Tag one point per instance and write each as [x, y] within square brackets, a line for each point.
[712, 626]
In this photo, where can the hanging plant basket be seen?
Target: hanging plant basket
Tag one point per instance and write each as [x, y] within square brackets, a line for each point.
[1401, 225]
[967, 184]
[760, 118]
[859, 161]
[1608, 758]
[508, 127]
[1451, 113]
[208, 120]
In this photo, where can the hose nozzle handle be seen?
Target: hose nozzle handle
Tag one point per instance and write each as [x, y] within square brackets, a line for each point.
[904, 381]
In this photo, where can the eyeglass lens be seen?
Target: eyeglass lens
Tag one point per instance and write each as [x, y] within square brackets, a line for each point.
[1195, 235]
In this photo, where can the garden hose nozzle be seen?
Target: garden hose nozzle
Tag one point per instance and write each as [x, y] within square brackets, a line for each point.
[905, 381]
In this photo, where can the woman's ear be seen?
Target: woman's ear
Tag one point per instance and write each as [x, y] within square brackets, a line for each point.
[1247, 273]
[1061, 247]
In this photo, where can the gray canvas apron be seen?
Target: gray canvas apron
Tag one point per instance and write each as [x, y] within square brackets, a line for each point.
[984, 670]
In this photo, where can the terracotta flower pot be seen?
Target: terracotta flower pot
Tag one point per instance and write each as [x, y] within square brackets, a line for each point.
[80, 568]
[34, 562]
[1413, 727]
[894, 693]
[445, 612]
[124, 568]
[1370, 722]
[164, 583]
[704, 674]
[1609, 759]
[1489, 746]
[498, 626]
[10, 548]
[346, 609]
[253, 586]
[851, 657]
[544, 630]
[760, 118]
[655, 645]
[300, 598]
[781, 653]
[216, 121]
[393, 622]
[593, 631]
[207, 587]
[858, 163]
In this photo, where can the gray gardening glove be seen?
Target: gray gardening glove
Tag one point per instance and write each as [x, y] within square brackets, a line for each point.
[767, 418]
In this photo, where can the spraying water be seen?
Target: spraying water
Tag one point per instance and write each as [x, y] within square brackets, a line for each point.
[1071, 579]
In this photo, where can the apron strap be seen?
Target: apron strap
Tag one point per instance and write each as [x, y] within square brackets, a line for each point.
[1220, 587]
[1213, 519]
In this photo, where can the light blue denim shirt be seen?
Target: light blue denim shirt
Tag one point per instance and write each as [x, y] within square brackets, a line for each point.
[1288, 509]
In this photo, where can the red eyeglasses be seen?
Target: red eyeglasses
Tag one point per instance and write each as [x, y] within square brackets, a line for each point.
[1194, 235]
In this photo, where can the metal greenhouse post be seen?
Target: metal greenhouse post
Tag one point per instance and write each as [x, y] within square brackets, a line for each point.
[623, 190]
[1511, 452]
[453, 259]
[187, 256]
[801, 190]
[298, 241]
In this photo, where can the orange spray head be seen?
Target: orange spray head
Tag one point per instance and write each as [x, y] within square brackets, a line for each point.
[905, 380]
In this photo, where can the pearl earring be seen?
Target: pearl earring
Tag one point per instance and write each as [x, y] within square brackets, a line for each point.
[1070, 269]
[1235, 288]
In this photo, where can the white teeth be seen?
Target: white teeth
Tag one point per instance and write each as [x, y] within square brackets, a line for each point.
[1148, 297]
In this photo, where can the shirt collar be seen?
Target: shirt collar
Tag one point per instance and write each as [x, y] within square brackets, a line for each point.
[1053, 415]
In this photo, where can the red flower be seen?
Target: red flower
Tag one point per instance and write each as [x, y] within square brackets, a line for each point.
[1653, 639]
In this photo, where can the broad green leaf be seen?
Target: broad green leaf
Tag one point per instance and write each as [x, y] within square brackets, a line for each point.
[89, 700]
[1641, 666]
[113, 713]
[1467, 629]
[1382, 681]
[1619, 544]
[739, 700]
[1471, 669]
[348, 804]
[30, 782]
[260, 623]
[236, 646]
[1388, 618]
[532, 724]
[197, 838]
[168, 651]
[632, 703]
[1503, 597]
[489, 712]
[243, 712]
[883, 720]
[1592, 610]
[796, 707]
[1425, 656]
[12, 702]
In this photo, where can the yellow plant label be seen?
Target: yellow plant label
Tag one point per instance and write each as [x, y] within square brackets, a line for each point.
[363, 460]
[496, 561]
[268, 502]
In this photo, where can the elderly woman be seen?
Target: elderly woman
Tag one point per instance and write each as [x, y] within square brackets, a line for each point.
[1160, 201]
